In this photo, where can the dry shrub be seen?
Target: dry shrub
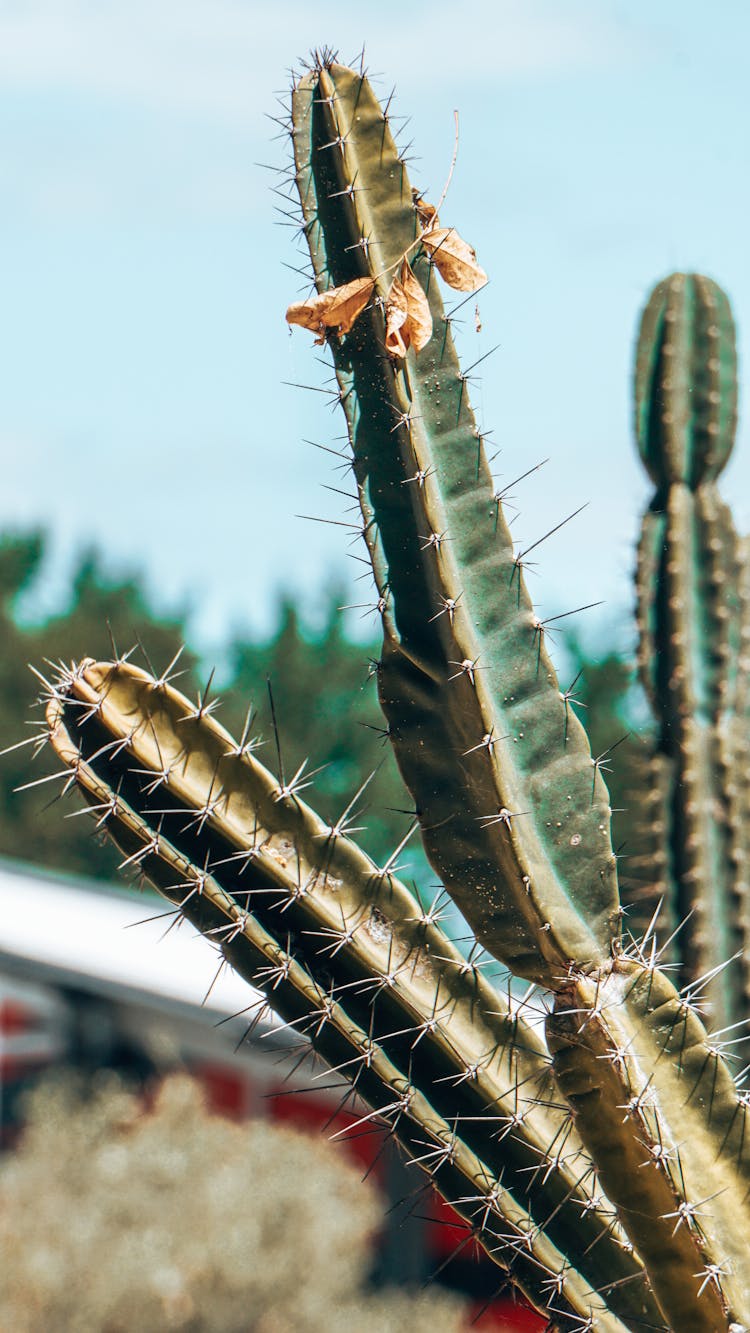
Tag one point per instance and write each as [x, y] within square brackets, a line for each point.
[113, 1219]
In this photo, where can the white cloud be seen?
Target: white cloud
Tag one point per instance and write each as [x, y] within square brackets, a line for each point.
[125, 108]
[221, 58]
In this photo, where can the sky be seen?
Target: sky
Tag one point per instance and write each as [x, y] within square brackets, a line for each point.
[145, 404]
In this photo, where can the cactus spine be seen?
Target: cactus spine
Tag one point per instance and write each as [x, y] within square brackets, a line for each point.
[605, 1171]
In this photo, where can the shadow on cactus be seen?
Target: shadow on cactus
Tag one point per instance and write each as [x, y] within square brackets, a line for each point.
[591, 1136]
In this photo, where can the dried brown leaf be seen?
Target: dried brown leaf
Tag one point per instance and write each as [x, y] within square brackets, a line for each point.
[408, 322]
[427, 213]
[420, 317]
[335, 309]
[455, 260]
[396, 314]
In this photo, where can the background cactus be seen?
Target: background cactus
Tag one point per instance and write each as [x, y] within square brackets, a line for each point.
[605, 1171]
[691, 580]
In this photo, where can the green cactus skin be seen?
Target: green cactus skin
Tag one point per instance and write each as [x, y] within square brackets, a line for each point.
[606, 1172]
[514, 815]
[370, 972]
[689, 615]
[686, 382]
[662, 1117]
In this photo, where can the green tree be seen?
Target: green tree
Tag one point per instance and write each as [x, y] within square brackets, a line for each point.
[318, 682]
[99, 608]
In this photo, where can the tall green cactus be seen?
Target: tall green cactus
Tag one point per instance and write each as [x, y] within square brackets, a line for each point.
[604, 1169]
[464, 678]
[692, 652]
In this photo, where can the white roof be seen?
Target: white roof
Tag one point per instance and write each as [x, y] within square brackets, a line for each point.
[50, 925]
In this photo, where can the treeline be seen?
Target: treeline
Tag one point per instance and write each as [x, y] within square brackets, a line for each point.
[324, 696]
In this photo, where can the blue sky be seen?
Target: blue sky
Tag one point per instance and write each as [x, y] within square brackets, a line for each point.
[142, 338]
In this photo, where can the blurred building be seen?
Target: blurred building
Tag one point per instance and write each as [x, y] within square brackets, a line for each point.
[93, 977]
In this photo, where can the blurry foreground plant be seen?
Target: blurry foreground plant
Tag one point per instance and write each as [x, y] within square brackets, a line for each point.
[113, 1218]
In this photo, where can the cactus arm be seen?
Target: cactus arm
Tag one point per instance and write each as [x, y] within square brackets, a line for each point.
[483, 1070]
[689, 597]
[465, 678]
[686, 381]
[661, 1115]
[321, 875]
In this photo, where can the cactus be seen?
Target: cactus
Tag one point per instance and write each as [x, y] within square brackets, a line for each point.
[691, 587]
[600, 1157]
